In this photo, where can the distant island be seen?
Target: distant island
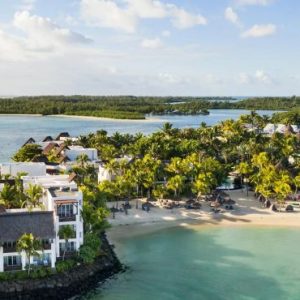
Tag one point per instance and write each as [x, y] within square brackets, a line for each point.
[137, 108]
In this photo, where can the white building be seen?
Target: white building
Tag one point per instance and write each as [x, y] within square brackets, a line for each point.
[105, 174]
[72, 152]
[30, 168]
[63, 205]
[13, 225]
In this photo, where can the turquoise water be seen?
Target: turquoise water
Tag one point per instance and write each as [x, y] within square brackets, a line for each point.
[209, 263]
[15, 130]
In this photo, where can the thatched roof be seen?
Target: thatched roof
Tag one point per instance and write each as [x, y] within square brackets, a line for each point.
[72, 176]
[48, 139]
[60, 149]
[62, 135]
[29, 141]
[49, 148]
[14, 225]
[63, 158]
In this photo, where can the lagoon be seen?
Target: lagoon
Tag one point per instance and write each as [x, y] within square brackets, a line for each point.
[205, 262]
[16, 129]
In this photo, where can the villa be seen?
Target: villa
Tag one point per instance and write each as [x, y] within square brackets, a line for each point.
[13, 224]
[62, 205]
[105, 174]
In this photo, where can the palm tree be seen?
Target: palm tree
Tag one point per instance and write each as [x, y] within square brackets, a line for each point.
[34, 194]
[66, 232]
[7, 196]
[297, 184]
[82, 159]
[30, 245]
[175, 184]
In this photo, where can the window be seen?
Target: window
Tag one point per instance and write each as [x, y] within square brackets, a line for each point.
[43, 260]
[74, 231]
[65, 210]
[9, 244]
[12, 261]
[68, 247]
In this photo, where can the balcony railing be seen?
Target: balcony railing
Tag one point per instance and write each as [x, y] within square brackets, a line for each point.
[12, 268]
[46, 246]
[10, 249]
[67, 254]
[68, 218]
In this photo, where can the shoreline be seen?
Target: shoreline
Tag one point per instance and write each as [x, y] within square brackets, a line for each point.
[248, 213]
[147, 119]
[23, 115]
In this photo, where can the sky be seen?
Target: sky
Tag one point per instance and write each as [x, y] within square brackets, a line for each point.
[150, 47]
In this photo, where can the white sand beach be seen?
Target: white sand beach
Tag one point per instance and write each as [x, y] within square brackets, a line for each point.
[248, 211]
[148, 119]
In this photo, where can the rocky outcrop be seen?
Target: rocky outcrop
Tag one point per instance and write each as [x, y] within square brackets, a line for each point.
[63, 286]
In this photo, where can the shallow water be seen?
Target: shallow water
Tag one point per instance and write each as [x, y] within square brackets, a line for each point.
[15, 130]
[209, 263]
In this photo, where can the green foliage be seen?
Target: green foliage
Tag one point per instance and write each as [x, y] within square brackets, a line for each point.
[129, 107]
[27, 153]
[30, 245]
[91, 248]
[65, 265]
[36, 272]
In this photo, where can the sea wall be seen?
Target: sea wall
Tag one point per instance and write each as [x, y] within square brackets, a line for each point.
[64, 285]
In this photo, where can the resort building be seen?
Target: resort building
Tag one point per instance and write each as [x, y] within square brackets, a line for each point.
[62, 205]
[13, 224]
[30, 168]
[72, 152]
[104, 173]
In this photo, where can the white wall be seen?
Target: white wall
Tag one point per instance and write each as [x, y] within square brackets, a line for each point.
[74, 152]
[32, 169]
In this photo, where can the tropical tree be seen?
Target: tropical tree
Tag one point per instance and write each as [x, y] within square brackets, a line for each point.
[176, 184]
[30, 245]
[296, 184]
[66, 232]
[27, 153]
[8, 196]
[204, 183]
[34, 194]
[82, 160]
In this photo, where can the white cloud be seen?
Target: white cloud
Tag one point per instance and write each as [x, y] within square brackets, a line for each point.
[40, 37]
[245, 78]
[44, 35]
[172, 79]
[232, 16]
[27, 5]
[258, 31]
[106, 13]
[147, 8]
[111, 14]
[263, 77]
[152, 43]
[255, 2]
[182, 19]
[166, 33]
[259, 77]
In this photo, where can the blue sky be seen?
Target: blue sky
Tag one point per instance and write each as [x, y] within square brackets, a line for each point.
[150, 47]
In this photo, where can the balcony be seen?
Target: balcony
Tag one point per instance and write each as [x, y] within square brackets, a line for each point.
[69, 218]
[9, 249]
[8, 268]
[68, 254]
[46, 246]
